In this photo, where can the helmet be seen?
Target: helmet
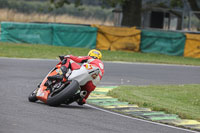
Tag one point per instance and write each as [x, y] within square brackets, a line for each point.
[95, 54]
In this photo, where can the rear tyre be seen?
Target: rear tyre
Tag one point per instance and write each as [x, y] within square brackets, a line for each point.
[32, 97]
[67, 92]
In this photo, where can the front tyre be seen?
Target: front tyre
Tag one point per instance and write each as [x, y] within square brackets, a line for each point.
[32, 97]
[55, 99]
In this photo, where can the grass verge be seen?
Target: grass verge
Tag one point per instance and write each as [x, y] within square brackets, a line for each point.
[183, 100]
[51, 52]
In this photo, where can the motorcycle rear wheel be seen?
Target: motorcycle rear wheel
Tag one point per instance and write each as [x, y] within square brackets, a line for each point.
[67, 92]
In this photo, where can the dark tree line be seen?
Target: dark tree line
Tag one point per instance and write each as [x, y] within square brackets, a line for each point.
[44, 7]
[131, 9]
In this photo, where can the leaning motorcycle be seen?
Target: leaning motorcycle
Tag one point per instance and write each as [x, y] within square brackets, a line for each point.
[58, 92]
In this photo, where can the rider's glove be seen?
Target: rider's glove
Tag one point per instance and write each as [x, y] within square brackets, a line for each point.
[61, 57]
[64, 57]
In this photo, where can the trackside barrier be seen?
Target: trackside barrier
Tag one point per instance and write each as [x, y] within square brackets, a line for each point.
[74, 36]
[192, 46]
[102, 37]
[26, 33]
[51, 34]
[118, 38]
[169, 43]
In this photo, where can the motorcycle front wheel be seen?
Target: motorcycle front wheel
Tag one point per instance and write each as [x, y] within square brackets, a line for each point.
[32, 97]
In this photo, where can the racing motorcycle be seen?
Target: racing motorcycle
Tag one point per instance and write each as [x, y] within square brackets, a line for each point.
[58, 92]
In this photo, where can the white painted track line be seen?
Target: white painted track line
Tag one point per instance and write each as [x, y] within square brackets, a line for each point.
[129, 117]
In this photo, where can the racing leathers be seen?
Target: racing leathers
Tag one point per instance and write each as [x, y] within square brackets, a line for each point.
[72, 62]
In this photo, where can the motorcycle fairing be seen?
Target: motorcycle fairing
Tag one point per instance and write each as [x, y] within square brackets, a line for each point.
[86, 73]
[43, 92]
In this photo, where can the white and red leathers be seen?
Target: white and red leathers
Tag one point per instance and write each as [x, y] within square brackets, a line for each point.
[72, 62]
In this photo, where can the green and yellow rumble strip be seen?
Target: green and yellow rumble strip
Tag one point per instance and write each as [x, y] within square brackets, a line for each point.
[99, 98]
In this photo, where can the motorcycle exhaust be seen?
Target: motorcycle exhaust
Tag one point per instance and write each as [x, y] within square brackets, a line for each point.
[83, 94]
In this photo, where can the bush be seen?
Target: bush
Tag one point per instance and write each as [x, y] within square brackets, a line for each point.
[43, 6]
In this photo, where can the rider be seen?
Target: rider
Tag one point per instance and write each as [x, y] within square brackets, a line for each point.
[71, 62]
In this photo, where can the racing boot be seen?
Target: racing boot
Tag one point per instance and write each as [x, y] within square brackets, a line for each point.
[81, 101]
[60, 76]
[55, 77]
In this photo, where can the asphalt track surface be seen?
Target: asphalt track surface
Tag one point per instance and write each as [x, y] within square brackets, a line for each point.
[20, 76]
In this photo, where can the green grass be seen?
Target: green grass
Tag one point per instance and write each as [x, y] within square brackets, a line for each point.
[51, 52]
[183, 100]
[37, 51]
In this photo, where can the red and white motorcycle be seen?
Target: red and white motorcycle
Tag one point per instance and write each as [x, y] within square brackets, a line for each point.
[56, 92]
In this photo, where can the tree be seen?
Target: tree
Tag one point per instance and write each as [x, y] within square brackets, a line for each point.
[131, 9]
